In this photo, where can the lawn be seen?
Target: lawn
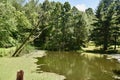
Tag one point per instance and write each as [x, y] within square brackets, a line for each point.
[9, 67]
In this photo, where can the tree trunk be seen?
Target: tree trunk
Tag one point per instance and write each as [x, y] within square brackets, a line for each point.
[22, 46]
[105, 45]
[25, 42]
[115, 43]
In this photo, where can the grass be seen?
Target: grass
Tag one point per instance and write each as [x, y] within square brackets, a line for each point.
[9, 67]
[98, 50]
[93, 52]
[11, 50]
[7, 51]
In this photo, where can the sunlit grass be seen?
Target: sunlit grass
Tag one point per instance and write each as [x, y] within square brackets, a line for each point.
[10, 66]
[7, 51]
[11, 50]
[92, 52]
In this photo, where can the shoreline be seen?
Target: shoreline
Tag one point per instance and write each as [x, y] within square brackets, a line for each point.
[10, 65]
[114, 56]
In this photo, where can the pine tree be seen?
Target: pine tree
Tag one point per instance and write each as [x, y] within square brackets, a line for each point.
[102, 31]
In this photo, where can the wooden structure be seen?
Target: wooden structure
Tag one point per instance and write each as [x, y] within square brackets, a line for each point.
[20, 75]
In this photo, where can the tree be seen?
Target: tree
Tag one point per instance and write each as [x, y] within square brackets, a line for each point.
[44, 22]
[54, 37]
[65, 23]
[102, 30]
[31, 9]
[23, 26]
[115, 22]
[89, 21]
[65, 17]
[7, 25]
[13, 25]
[79, 27]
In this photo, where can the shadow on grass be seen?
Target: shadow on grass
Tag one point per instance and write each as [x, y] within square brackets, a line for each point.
[103, 52]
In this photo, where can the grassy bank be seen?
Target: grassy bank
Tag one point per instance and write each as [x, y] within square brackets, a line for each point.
[7, 51]
[9, 66]
[11, 50]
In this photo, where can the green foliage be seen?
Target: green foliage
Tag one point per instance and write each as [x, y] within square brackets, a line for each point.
[7, 25]
[7, 51]
[67, 28]
[23, 26]
[13, 25]
[28, 48]
[90, 19]
[106, 30]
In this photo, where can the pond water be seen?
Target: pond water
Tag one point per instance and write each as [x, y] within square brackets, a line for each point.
[75, 66]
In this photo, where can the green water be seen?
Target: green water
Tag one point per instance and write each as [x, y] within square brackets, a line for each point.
[75, 66]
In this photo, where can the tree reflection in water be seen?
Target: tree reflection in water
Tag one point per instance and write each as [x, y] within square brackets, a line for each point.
[75, 66]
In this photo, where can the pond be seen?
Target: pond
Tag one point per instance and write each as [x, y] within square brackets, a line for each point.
[75, 66]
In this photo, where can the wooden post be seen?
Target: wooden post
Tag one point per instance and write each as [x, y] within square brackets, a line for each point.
[20, 75]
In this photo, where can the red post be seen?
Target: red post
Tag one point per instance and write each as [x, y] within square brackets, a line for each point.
[20, 75]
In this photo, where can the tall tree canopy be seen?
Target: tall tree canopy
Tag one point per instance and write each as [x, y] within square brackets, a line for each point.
[104, 32]
[13, 25]
[67, 28]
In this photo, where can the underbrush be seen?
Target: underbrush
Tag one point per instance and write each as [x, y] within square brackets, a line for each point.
[9, 51]
[27, 49]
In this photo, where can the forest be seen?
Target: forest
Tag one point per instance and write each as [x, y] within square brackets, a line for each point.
[59, 27]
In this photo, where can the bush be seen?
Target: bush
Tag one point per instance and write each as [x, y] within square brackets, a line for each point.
[27, 49]
[7, 51]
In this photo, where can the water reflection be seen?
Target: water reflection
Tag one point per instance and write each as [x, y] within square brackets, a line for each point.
[75, 66]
